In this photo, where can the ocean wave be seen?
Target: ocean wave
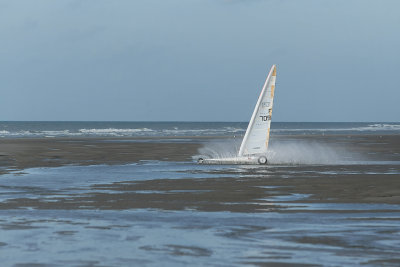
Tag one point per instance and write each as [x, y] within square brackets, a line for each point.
[200, 130]
[371, 127]
[19, 133]
[23, 133]
[114, 131]
[208, 131]
[380, 127]
[62, 132]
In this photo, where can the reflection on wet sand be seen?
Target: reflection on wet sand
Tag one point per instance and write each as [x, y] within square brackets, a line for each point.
[247, 190]
[179, 213]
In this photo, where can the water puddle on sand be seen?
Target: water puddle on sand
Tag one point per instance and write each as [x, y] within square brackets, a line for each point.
[116, 238]
[180, 214]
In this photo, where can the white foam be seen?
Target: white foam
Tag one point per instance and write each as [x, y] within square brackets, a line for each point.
[20, 133]
[114, 131]
[53, 133]
[371, 127]
[380, 127]
[126, 132]
[209, 131]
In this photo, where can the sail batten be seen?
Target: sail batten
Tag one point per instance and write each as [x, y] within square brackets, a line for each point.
[256, 138]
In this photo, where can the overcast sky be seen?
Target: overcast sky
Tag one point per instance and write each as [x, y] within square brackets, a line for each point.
[199, 60]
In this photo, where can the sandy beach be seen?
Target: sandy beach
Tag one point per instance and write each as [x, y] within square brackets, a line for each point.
[330, 196]
[22, 153]
[336, 185]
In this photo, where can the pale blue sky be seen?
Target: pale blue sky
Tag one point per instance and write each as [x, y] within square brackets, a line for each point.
[199, 60]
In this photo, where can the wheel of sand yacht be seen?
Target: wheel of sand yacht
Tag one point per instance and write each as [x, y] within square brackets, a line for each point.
[262, 160]
[200, 160]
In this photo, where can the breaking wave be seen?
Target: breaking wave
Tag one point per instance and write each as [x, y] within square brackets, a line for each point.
[153, 129]
[380, 127]
[122, 132]
[375, 127]
[113, 131]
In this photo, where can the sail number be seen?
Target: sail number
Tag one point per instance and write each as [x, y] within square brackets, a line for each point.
[265, 118]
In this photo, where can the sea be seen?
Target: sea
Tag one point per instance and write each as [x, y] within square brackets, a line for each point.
[205, 215]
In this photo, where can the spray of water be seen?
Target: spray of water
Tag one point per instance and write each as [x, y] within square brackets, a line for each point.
[280, 152]
[304, 152]
[228, 148]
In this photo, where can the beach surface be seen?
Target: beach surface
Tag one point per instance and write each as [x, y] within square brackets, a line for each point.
[334, 198]
[22, 153]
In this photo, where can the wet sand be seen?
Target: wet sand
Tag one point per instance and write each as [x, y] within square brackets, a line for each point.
[338, 183]
[22, 153]
[255, 191]
[143, 201]
[247, 195]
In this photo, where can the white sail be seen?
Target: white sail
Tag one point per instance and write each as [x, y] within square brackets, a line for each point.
[255, 141]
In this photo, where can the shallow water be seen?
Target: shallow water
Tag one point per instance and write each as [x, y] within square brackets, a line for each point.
[145, 237]
[55, 216]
